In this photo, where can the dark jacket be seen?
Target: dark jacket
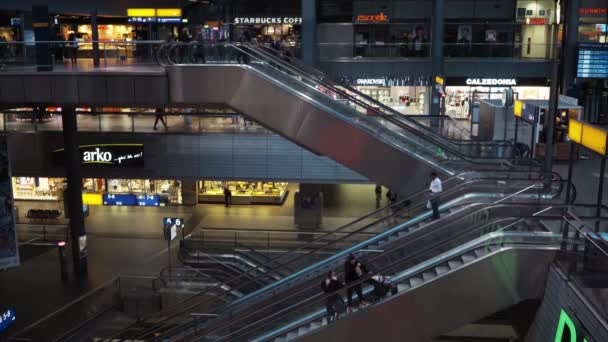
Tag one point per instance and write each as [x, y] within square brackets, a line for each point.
[332, 286]
[350, 271]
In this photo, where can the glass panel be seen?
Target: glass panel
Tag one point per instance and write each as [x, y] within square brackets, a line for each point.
[116, 122]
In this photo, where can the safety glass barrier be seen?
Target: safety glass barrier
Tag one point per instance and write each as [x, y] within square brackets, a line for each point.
[77, 54]
[462, 49]
[583, 258]
[167, 120]
[421, 246]
[370, 246]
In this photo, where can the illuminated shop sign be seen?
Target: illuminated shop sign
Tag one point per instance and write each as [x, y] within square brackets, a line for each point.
[598, 11]
[268, 20]
[567, 324]
[372, 18]
[370, 82]
[537, 21]
[491, 81]
[115, 155]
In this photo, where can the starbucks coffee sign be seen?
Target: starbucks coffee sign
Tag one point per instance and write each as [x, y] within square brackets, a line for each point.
[114, 155]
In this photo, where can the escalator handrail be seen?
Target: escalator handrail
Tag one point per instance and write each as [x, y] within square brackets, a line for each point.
[322, 76]
[484, 240]
[242, 48]
[325, 84]
[265, 289]
[384, 253]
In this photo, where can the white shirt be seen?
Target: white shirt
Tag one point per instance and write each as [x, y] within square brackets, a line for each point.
[436, 186]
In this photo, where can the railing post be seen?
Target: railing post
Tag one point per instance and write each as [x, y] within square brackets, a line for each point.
[44, 233]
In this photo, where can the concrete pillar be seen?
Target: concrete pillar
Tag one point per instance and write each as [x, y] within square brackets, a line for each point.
[570, 42]
[309, 31]
[42, 33]
[95, 37]
[437, 50]
[74, 191]
[189, 192]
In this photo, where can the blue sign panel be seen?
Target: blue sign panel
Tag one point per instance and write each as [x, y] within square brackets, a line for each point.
[131, 200]
[592, 61]
[148, 200]
[7, 318]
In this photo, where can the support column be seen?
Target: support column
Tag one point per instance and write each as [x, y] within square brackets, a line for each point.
[309, 31]
[95, 37]
[42, 33]
[570, 41]
[549, 124]
[437, 51]
[74, 191]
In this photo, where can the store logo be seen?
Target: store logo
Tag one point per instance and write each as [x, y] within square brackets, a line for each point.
[128, 155]
[372, 18]
[370, 81]
[268, 20]
[593, 11]
[491, 81]
[567, 329]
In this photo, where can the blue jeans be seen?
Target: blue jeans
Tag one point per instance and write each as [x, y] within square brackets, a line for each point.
[435, 206]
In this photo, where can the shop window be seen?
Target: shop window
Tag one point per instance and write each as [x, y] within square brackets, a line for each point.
[38, 188]
[243, 192]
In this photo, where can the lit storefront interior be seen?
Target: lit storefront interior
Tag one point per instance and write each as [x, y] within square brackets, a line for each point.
[461, 94]
[97, 191]
[243, 192]
[398, 93]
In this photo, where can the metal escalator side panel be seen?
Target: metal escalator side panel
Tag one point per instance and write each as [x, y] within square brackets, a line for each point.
[489, 284]
[301, 121]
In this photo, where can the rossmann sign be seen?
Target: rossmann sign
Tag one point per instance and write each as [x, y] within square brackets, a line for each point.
[113, 155]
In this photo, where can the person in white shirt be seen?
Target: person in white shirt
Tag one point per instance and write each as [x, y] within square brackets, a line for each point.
[435, 189]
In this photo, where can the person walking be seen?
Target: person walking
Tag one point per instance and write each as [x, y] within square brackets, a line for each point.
[353, 271]
[160, 117]
[378, 192]
[227, 197]
[73, 43]
[435, 188]
[334, 303]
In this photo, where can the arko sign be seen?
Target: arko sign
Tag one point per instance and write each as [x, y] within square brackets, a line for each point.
[114, 155]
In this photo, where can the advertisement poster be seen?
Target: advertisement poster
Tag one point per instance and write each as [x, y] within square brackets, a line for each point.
[465, 34]
[9, 254]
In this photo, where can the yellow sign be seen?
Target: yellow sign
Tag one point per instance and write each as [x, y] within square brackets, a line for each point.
[439, 80]
[594, 139]
[92, 199]
[575, 131]
[169, 12]
[141, 12]
[517, 108]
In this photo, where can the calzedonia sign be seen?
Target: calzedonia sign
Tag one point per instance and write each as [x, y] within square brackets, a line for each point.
[491, 81]
[112, 155]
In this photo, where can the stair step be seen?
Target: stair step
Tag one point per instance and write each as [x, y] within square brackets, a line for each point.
[303, 330]
[453, 264]
[428, 275]
[292, 336]
[279, 339]
[315, 325]
[480, 252]
[415, 282]
[403, 233]
[441, 269]
[403, 287]
[468, 257]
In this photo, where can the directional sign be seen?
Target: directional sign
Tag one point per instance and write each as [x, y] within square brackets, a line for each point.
[170, 225]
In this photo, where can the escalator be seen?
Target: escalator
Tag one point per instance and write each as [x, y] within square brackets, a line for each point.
[434, 272]
[396, 153]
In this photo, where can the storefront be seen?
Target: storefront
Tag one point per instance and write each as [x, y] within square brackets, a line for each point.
[282, 30]
[243, 192]
[405, 95]
[463, 93]
[98, 191]
[38, 188]
[593, 21]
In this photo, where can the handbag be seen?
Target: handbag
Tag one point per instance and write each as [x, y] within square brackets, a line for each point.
[428, 204]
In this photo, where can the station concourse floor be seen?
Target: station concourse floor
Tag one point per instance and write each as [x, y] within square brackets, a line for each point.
[129, 241]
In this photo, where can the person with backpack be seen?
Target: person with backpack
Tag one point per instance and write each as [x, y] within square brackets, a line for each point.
[334, 302]
[353, 271]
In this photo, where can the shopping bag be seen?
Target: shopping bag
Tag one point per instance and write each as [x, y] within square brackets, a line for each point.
[428, 205]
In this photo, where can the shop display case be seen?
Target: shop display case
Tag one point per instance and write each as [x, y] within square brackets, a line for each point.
[243, 192]
[38, 189]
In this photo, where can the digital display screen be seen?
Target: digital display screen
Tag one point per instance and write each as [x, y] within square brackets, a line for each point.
[592, 61]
